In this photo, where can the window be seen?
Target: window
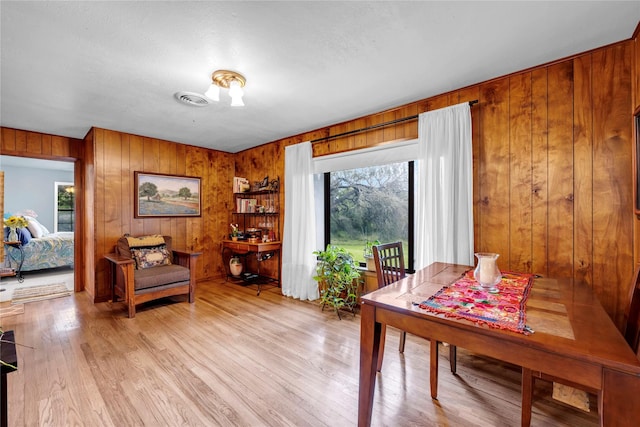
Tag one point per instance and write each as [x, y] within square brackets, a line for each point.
[367, 204]
[64, 213]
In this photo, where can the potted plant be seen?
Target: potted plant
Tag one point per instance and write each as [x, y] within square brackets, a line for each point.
[338, 279]
[234, 232]
[368, 254]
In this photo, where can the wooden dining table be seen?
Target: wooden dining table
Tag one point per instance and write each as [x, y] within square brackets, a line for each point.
[574, 339]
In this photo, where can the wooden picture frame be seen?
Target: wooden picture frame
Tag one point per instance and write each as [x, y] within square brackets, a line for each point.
[161, 195]
[636, 162]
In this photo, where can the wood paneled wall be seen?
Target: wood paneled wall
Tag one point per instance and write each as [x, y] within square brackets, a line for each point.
[117, 156]
[552, 166]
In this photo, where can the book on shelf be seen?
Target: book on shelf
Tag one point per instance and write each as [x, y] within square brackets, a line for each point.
[246, 205]
[240, 185]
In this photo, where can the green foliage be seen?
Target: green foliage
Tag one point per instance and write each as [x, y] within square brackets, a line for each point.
[368, 248]
[338, 277]
[184, 192]
[65, 196]
[368, 204]
[148, 190]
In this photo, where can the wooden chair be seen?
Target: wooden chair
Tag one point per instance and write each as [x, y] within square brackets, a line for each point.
[389, 261]
[631, 335]
[137, 284]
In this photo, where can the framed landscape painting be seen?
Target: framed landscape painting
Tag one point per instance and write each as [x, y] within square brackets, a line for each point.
[158, 195]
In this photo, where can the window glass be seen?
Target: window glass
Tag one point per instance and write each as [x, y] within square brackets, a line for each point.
[64, 215]
[368, 204]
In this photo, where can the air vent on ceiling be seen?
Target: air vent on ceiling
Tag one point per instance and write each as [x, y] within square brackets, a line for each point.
[193, 99]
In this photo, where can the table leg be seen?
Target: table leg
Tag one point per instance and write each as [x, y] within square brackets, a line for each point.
[433, 373]
[527, 397]
[619, 399]
[383, 337]
[369, 353]
[3, 401]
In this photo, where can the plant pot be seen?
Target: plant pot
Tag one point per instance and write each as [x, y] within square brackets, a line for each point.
[371, 265]
[234, 238]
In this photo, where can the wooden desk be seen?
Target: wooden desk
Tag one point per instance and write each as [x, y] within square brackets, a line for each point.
[7, 355]
[574, 339]
[261, 251]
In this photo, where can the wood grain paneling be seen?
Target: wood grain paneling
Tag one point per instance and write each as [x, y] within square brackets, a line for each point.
[117, 156]
[552, 166]
[560, 169]
[636, 106]
[23, 143]
[612, 190]
[520, 170]
[539, 174]
[583, 157]
[494, 170]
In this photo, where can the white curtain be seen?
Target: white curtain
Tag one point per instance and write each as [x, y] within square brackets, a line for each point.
[299, 242]
[444, 200]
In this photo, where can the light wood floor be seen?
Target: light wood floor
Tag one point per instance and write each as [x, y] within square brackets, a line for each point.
[237, 359]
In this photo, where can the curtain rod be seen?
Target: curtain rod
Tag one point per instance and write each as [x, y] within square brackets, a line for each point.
[379, 125]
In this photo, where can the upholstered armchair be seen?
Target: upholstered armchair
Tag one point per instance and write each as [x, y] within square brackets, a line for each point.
[147, 268]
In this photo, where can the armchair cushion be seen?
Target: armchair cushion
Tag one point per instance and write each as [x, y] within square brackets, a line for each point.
[167, 274]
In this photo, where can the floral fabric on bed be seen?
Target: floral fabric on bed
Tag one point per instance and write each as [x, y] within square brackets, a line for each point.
[50, 251]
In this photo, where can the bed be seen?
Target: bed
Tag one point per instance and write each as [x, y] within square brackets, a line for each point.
[49, 251]
[38, 248]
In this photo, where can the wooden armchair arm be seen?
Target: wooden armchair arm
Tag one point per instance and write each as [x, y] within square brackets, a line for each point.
[126, 267]
[185, 258]
[188, 259]
[117, 259]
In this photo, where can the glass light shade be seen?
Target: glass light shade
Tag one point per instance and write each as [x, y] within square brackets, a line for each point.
[213, 92]
[236, 101]
[234, 89]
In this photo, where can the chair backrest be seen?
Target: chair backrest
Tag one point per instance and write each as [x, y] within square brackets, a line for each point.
[389, 261]
[123, 249]
[632, 315]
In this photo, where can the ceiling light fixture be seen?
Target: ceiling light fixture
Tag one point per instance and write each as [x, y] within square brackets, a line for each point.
[228, 80]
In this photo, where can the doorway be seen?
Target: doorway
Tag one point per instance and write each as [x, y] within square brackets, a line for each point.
[31, 189]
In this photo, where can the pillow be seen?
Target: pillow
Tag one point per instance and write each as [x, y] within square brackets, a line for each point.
[151, 256]
[151, 240]
[37, 230]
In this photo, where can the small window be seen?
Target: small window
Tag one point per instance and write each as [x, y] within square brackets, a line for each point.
[64, 213]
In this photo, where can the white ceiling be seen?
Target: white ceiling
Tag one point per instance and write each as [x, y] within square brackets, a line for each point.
[67, 66]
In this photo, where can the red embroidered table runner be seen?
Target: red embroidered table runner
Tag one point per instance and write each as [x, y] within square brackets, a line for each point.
[466, 299]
